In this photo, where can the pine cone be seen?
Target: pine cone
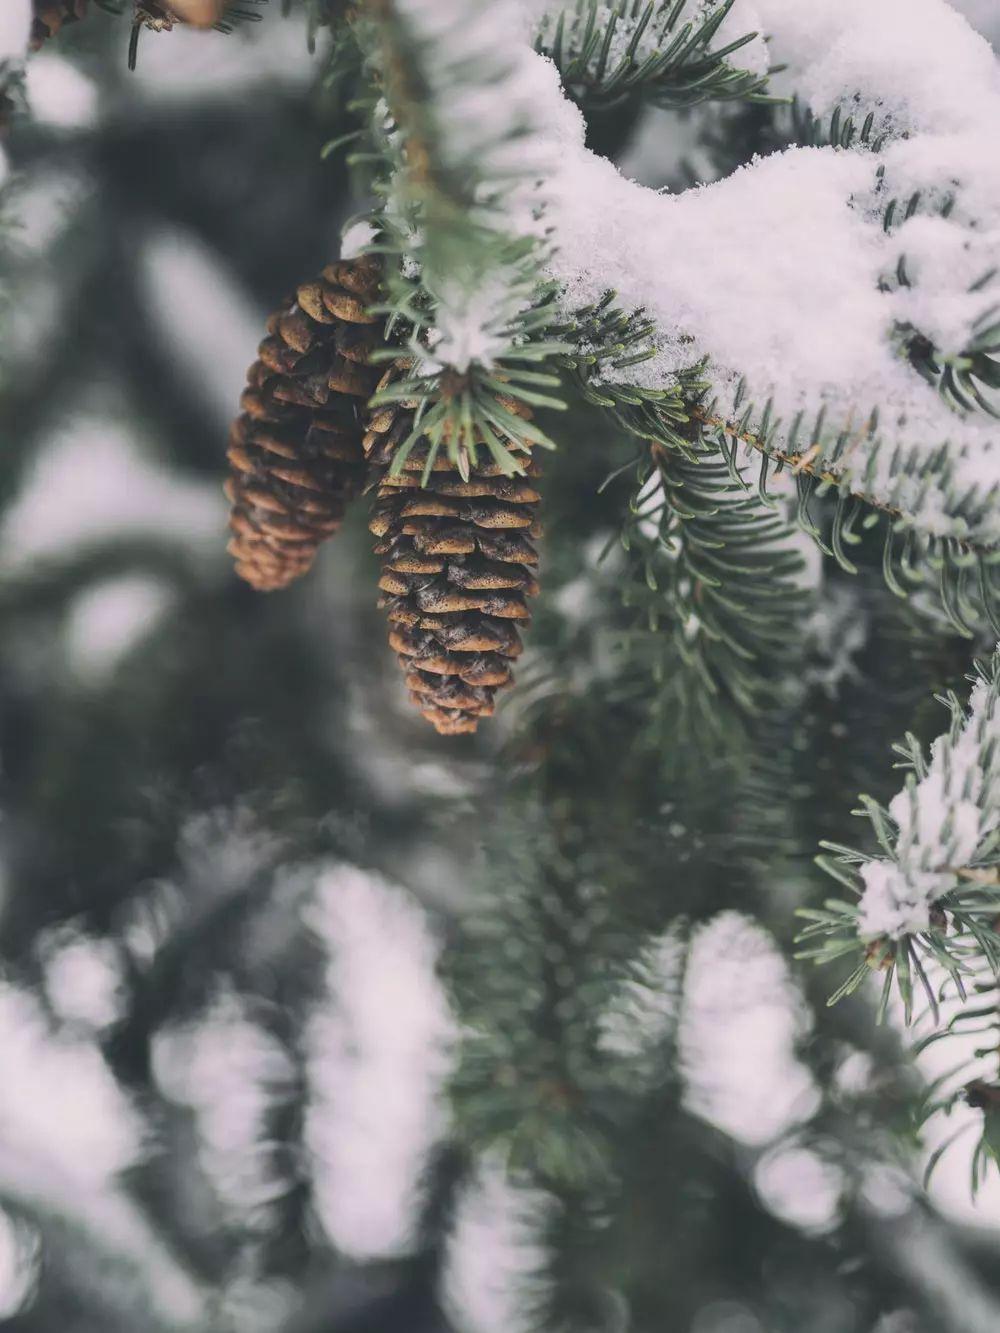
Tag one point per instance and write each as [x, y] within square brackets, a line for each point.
[50, 15]
[295, 450]
[459, 565]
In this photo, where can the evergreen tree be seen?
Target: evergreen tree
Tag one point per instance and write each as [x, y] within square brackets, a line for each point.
[634, 368]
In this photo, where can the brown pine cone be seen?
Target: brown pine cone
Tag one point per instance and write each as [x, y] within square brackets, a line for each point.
[459, 564]
[48, 16]
[295, 451]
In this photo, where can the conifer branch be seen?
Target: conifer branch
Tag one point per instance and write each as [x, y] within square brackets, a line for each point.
[929, 900]
[662, 50]
[465, 299]
[715, 580]
[962, 570]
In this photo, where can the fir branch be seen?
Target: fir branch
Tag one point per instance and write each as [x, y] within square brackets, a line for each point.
[607, 342]
[660, 49]
[536, 1084]
[974, 1083]
[466, 300]
[929, 900]
[966, 380]
[715, 580]
[962, 569]
[835, 130]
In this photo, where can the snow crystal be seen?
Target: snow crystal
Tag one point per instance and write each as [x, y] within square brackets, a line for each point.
[941, 820]
[895, 902]
[378, 1049]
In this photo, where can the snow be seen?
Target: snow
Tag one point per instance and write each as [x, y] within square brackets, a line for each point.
[941, 820]
[189, 62]
[494, 1255]
[782, 275]
[83, 979]
[488, 142]
[15, 24]
[109, 619]
[742, 1019]
[208, 323]
[92, 482]
[799, 1186]
[233, 1074]
[777, 274]
[61, 1107]
[20, 1264]
[644, 1013]
[917, 62]
[378, 1051]
[59, 93]
[68, 1132]
[356, 237]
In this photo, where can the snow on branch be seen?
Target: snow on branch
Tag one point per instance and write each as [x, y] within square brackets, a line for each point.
[823, 286]
[378, 1052]
[945, 818]
[460, 120]
[932, 895]
[69, 1134]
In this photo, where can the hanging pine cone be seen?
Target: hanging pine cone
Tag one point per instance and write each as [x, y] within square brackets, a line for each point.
[459, 565]
[295, 451]
[48, 16]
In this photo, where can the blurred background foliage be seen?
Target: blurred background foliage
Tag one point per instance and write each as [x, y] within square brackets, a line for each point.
[310, 1019]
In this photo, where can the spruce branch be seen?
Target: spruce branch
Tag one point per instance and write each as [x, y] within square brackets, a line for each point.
[609, 342]
[975, 1082]
[665, 52]
[968, 379]
[715, 582]
[962, 570]
[466, 300]
[928, 901]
